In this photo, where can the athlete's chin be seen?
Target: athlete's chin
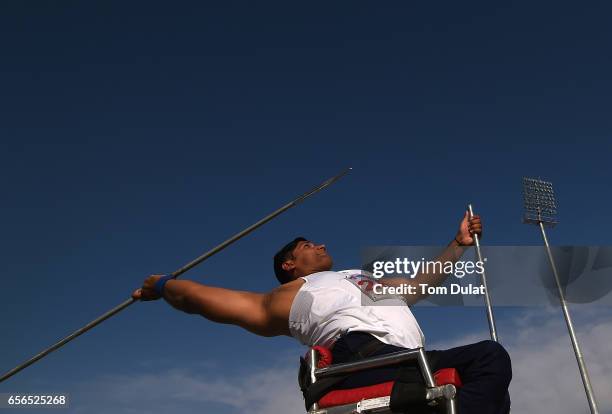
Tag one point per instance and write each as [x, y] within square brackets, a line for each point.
[327, 263]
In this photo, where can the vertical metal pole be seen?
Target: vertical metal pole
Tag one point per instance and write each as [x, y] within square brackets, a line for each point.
[451, 406]
[570, 327]
[490, 318]
[425, 368]
[313, 366]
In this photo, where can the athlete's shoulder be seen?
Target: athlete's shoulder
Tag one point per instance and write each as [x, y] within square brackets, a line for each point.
[331, 275]
[356, 273]
[324, 274]
[324, 277]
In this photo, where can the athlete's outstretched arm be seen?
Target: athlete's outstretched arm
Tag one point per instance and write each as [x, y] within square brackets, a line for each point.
[246, 309]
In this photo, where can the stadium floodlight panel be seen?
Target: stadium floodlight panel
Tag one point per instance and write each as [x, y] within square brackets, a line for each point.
[539, 201]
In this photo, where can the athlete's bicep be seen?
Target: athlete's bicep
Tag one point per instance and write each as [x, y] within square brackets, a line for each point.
[246, 309]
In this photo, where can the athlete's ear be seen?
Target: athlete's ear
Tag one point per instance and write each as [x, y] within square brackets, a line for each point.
[288, 266]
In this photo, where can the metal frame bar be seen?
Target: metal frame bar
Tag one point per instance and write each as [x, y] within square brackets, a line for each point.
[380, 404]
[375, 362]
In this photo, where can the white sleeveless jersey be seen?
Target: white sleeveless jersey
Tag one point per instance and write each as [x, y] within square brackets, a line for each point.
[330, 304]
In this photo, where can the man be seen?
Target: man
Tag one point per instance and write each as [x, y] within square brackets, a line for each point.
[320, 307]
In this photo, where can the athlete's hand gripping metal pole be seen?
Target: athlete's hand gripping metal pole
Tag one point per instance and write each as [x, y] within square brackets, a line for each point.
[175, 274]
[490, 318]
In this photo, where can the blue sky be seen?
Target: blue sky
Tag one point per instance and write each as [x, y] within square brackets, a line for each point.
[136, 136]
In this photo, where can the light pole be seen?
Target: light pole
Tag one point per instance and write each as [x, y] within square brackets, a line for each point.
[541, 209]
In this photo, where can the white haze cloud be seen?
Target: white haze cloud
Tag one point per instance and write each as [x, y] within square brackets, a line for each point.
[546, 379]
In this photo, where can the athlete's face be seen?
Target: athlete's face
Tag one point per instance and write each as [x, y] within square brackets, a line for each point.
[308, 257]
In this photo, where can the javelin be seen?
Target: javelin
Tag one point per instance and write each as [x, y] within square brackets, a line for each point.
[175, 274]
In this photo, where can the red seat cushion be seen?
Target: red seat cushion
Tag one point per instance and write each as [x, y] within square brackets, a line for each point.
[325, 356]
[349, 396]
[447, 376]
[353, 395]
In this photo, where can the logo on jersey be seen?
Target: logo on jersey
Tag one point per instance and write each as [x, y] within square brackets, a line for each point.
[366, 285]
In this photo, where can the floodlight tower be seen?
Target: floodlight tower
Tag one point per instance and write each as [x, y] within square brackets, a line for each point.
[541, 209]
